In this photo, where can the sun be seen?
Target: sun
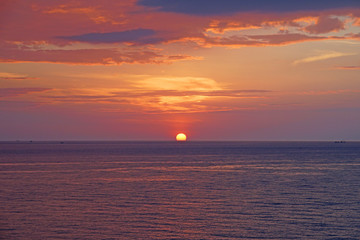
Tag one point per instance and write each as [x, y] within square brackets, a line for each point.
[181, 137]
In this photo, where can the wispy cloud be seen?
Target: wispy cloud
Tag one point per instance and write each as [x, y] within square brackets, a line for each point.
[349, 67]
[323, 56]
[178, 83]
[9, 92]
[330, 92]
[14, 76]
[160, 94]
[88, 56]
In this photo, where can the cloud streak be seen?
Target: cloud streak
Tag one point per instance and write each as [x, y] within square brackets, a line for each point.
[349, 67]
[14, 76]
[161, 94]
[157, 101]
[10, 92]
[259, 40]
[322, 57]
[90, 56]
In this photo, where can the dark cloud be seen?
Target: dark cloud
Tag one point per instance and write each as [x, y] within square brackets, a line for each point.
[218, 7]
[140, 36]
[326, 24]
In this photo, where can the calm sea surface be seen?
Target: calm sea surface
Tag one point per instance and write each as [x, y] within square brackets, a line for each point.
[188, 190]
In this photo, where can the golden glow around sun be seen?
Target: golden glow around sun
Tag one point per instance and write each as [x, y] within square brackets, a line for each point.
[181, 137]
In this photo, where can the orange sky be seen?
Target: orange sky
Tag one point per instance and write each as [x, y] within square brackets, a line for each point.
[146, 70]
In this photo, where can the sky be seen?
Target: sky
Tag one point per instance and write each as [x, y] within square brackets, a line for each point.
[258, 70]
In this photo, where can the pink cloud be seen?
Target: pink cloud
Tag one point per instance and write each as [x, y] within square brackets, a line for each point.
[111, 22]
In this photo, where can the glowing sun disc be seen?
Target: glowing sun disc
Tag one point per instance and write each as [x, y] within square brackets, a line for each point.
[181, 137]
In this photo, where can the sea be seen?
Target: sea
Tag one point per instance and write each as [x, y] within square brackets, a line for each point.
[180, 190]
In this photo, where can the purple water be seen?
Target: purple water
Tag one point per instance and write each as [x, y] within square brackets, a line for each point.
[188, 190]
